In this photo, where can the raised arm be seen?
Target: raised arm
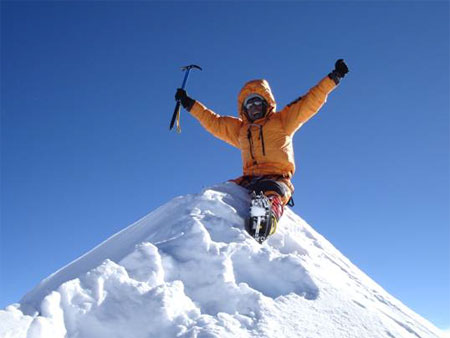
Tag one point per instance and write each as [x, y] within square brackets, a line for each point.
[301, 110]
[225, 128]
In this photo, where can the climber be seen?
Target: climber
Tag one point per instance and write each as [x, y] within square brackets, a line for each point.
[264, 137]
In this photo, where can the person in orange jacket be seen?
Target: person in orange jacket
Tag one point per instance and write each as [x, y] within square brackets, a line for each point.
[264, 135]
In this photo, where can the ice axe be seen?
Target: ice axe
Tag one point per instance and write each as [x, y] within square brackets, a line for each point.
[176, 112]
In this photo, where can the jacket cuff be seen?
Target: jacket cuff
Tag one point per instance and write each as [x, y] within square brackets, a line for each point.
[187, 103]
[335, 77]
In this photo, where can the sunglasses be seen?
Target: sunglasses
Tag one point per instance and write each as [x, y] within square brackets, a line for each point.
[255, 102]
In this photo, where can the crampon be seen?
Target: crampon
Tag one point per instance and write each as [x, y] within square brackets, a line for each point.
[261, 222]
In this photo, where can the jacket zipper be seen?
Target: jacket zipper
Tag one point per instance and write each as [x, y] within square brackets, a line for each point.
[250, 140]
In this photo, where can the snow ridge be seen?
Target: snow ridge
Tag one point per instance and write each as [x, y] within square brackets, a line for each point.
[188, 269]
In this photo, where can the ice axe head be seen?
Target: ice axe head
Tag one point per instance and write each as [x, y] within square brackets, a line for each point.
[190, 67]
[188, 70]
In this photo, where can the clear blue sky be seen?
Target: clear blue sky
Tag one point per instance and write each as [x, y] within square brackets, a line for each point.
[87, 95]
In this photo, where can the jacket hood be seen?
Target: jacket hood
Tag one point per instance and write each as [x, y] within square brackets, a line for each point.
[260, 87]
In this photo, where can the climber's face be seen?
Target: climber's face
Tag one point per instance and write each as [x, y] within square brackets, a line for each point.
[255, 108]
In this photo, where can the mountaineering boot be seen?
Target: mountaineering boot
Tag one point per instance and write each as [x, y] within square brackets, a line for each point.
[258, 224]
[265, 211]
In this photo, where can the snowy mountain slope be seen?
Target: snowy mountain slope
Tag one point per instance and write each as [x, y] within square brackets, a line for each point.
[188, 269]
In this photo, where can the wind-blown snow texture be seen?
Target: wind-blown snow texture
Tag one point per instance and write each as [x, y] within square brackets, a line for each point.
[188, 269]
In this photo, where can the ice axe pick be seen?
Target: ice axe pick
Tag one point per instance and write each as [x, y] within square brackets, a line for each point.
[176, 112]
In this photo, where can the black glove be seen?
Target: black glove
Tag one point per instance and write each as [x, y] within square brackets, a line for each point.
[340, 69]
[185, 100]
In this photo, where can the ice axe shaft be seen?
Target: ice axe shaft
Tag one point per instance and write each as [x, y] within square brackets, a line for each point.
[176, 112]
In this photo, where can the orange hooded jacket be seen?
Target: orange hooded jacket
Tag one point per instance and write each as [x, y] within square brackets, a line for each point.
[265, 144]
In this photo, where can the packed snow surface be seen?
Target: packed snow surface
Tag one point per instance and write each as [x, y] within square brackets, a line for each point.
[189, 269]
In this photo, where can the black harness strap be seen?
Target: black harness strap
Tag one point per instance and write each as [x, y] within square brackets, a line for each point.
[291, 202]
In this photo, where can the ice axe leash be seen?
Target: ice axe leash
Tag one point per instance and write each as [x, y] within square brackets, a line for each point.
[176, 112]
